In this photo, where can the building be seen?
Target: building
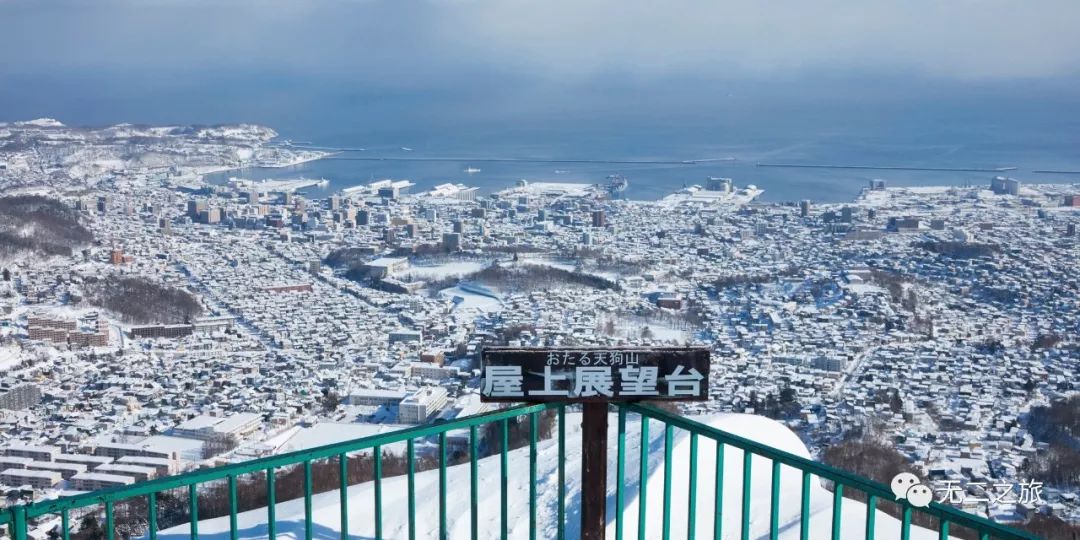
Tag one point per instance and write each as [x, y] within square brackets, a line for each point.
[39, 453]
[195, 208]
[1002, 185]
[211, 216]
[209, 428]
[139, 473]
[386, 266]
[372, 397]
[1072, 200]
[96, 333]
[432, 371]
[451, 241]
[877, 184]
[459, 192]
[723, 185]
[119, 450]
[804, 208]
[405, 336]
[829, 363]
[20, 397]
[66, 470]
[168, 331]
[598, 218]
[83, 459]
[162, 466]
[905, 224]
[420, 405]
[9, 462]
[93, 481]
[26, 477]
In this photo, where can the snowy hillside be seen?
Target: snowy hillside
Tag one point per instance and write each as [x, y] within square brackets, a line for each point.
[290, 515]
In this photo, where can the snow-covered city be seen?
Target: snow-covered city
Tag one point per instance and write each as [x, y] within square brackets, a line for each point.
[152, 322]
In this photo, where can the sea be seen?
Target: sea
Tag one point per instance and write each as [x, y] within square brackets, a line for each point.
[688, 131]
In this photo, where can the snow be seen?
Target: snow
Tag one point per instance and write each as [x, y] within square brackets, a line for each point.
[40, 122]
[458, 268]
[325, 433]
[9, 358]
[326, 512]
[472, 300]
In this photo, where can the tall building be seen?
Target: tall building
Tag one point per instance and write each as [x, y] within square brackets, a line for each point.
[195, 207]
[20, 397]
[598, 218]
[451, 241]
[804, 208]
[723, 185]
[847, 214]
[211, 216]
[1003, 185]
[420, 405]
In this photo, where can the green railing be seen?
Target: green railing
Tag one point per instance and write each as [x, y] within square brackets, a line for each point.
[842, 482]
[102, 504]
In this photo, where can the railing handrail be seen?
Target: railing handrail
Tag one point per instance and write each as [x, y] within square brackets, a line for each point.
[17, 516]
[223, 472]
[848, 479]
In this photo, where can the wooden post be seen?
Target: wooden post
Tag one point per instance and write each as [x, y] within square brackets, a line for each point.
[594, 471]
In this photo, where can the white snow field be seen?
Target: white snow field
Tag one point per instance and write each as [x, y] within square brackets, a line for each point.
[326, 513]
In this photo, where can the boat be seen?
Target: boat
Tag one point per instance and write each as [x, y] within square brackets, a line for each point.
[616, 184]
[471, 170]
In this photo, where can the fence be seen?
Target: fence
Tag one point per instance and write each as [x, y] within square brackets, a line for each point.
[18, 519]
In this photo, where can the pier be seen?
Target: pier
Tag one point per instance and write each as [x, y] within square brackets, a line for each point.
[887, 168]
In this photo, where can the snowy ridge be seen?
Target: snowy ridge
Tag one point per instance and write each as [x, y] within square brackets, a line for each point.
[326, 514]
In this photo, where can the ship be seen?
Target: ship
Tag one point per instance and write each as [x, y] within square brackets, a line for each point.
[616, 185]
[471, 170]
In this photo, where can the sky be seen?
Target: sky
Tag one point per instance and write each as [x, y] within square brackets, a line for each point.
[552, 39]
[100, 60]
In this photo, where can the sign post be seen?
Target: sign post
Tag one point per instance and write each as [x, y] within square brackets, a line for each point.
[594, 377]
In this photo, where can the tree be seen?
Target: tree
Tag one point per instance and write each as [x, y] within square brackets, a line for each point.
[609, 327]
[330, 401]
[896, 404]
[90, 529]
[1029, 386]
[646, 333]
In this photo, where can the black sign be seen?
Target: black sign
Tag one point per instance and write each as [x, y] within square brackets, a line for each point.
[594, 374]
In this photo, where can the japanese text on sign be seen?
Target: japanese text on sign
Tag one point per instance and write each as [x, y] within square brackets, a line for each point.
[594, 374]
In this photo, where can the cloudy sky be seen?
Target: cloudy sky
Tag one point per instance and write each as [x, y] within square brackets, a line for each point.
[90, 52]
[966, 39]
